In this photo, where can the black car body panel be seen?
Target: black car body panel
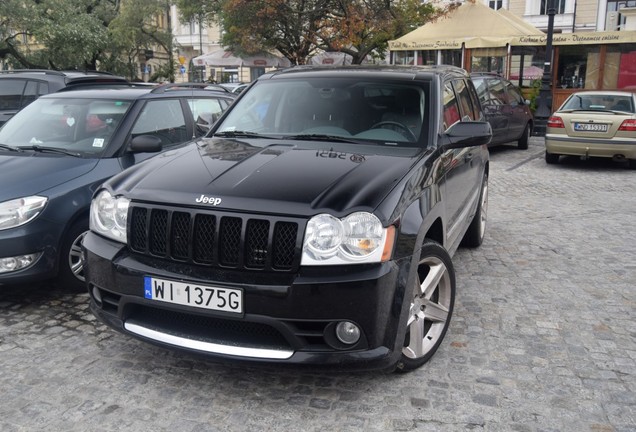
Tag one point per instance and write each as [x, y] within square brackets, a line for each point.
[231, 212]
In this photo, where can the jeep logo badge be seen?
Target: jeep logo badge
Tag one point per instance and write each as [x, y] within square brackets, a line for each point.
[208, 200]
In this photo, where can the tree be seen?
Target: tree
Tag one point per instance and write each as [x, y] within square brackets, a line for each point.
[136, 29]
[363, 27]
[84, 34]
[300, 28]
[57, 34]
[289, 26]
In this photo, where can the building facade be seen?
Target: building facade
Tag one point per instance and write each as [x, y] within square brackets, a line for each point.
[593, 40]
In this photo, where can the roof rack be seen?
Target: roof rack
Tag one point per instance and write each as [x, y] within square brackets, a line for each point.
[53, 72]
[189, 85]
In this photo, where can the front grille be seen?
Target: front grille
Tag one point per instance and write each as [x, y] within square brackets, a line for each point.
[215, 239]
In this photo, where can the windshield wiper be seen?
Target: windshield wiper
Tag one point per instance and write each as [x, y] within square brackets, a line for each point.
[41, 149]
[8, 147]
[240, 134]
[321, 137]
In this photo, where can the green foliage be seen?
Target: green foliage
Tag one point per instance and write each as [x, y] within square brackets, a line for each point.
[534, 94]
[81, 34]
[111, 34]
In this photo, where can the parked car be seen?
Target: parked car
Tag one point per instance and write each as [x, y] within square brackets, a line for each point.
[59, 149]
[593, 124]
[234, 87]
[315, 223]
[20, 87]
[507, 111]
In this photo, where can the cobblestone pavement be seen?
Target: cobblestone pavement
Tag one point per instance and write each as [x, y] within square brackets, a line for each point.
[543, 337]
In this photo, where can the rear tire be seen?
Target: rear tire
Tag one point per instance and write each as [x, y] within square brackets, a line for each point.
[522, 144]
[431, 307]
[632, 164]
[71, 260]
[474, 236]
[551, 158]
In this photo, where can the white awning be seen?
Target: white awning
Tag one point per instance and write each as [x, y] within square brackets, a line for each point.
[223, 58]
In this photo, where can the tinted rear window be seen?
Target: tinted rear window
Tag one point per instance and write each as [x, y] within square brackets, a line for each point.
[11, 93]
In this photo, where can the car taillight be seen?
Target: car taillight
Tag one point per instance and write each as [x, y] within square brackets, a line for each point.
[628, 125]
[555, 122]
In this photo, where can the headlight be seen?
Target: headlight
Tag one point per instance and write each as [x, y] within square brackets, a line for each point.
[109, 215]
[20, 211]
[358, 238]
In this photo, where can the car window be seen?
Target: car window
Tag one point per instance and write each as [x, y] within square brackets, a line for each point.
[514, 94]
[481, 86]
[11, 93]
[497, 92]
[463, 97]
[372, 109]
[205, 112]
[599, 102]
[80, 125]
[43, 88]
[451, 108]
[30, 93]
[164, 119]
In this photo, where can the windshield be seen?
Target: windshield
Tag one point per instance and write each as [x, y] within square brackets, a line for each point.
[600, 102]
[354, 109]
[81, 126]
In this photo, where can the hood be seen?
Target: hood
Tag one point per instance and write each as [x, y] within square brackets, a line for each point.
[281, 177]
[29, 173]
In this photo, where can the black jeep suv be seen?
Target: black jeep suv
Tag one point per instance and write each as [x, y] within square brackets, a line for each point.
[20, 87]
[314, 224]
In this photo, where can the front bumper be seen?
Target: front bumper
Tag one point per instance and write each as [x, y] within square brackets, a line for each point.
[288, 317]
[564, 145]
[38, 236]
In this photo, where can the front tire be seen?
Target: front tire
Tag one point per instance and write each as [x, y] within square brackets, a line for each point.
[71, 259]
[431, 306]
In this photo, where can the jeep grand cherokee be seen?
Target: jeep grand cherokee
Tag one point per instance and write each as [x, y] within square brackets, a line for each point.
[314, 224]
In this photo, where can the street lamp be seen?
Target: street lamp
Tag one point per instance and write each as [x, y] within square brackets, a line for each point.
[544, 102]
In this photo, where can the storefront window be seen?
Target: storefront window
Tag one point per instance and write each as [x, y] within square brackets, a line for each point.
[526, 65]
[578, 66]
[403, 57]
[619, 69]
[426, 57]
[452, 57]
[488, 60]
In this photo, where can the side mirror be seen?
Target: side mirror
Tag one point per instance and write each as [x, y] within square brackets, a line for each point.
[146, 144]
[468, 134]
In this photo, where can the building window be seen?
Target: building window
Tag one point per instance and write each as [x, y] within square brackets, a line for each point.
[488, 60]
[558, 5]
[496, 4]
[616, 6]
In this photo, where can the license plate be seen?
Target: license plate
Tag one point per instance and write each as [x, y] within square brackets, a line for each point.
[192, 294]
[590, 127]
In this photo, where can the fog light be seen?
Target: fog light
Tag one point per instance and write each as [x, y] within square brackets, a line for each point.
[10, 264]
[347, 332]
